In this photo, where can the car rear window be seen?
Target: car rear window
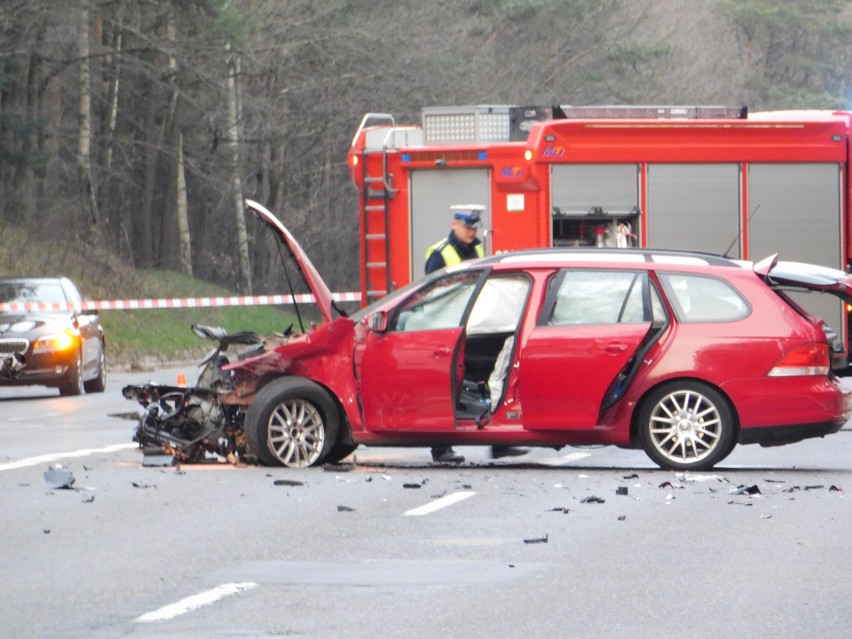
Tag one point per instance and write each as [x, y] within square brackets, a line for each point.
[701, 298]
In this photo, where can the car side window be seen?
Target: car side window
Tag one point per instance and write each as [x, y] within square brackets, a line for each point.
[699, 298]
[603, 297]
[440, 304]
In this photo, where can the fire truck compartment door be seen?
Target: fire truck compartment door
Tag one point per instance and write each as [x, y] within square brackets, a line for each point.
[433, 192]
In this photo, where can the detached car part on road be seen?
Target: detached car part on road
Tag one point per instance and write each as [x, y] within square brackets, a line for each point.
[681, 354]
[62, 348]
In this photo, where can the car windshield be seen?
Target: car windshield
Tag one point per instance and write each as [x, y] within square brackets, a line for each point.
[23, 292]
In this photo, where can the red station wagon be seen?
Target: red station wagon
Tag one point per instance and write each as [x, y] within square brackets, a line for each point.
[681, 354]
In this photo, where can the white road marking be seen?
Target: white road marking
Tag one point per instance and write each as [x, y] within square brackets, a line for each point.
[195, 601]
[443, 502]
[48, 459]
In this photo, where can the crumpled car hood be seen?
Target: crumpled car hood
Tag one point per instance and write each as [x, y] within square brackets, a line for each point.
[324, 340]
[318, 287]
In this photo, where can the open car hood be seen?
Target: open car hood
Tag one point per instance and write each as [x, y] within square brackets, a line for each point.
[318, 287]
[808, 276]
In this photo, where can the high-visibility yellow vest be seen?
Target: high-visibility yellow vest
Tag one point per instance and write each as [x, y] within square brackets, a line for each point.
[449, 253]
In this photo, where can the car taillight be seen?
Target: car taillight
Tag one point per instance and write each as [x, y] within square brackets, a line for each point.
[809, 359]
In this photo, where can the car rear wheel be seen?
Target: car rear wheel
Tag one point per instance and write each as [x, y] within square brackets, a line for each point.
[74, 385]
[292, 422]
[98, 385]
[686, 426]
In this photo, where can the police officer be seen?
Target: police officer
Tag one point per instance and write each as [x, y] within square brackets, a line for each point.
[460, 245]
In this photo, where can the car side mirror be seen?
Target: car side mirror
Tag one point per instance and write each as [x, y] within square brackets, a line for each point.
[378, 322]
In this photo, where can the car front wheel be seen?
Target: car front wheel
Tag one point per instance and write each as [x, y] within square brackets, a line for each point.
[98, 384]
[686, 426]
[74, 385]
[291, 422]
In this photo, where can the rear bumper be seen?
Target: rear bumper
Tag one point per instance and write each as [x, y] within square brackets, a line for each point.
[780, 435]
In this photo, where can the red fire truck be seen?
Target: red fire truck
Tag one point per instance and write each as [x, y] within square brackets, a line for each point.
[713, 179]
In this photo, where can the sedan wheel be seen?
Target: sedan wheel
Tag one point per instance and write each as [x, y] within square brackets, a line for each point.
[292, 422]
[686, 426]
[75, 377]
[98, 385]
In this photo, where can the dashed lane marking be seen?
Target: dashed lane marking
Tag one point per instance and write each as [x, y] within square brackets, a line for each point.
[443, 502]
[49, 459]
[195, 601]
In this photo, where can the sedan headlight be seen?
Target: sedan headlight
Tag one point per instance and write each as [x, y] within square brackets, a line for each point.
[55, 342]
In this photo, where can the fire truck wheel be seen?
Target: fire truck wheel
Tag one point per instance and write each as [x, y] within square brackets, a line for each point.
[292, 422]
[686, 425]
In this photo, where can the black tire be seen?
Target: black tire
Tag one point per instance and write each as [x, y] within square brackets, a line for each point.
[686, 425]
[291, 422]
[74, 385]
[98, 384]
[339, 452]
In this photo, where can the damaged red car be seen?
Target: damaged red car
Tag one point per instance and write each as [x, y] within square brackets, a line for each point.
[683, 355]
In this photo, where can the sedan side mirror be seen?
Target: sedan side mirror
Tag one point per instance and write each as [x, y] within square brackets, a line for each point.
[378, 322]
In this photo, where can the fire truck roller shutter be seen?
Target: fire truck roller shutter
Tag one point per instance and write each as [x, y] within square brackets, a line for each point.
[795, 211]
[694, 207]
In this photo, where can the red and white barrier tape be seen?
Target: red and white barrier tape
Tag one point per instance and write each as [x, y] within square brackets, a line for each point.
[174, 302]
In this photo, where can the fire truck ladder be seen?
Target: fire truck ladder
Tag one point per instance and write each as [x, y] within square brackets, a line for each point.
[375, 205]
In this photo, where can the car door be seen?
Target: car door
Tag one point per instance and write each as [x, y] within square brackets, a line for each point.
[410, 372]
[591, 326]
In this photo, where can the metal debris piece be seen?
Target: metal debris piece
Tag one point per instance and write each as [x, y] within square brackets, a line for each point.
[160, 459]
[666, 484]
[536, 540]
[89, 500]
[141, 485]
[58, 477]
[133, 417]
[633, 476]
[592, 499]
[745, 490]
[288, 482]
[793, 489]
[835, 489]
[345, 509]
[621, 490]
[622, 517]
[562, 509]
[740, 503]
[412, 485]
[341, 467]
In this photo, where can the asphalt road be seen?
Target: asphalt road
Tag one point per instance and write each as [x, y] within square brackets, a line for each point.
[546, 545]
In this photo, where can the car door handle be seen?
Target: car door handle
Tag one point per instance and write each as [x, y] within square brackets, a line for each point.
[441, 351]
[615, 348]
